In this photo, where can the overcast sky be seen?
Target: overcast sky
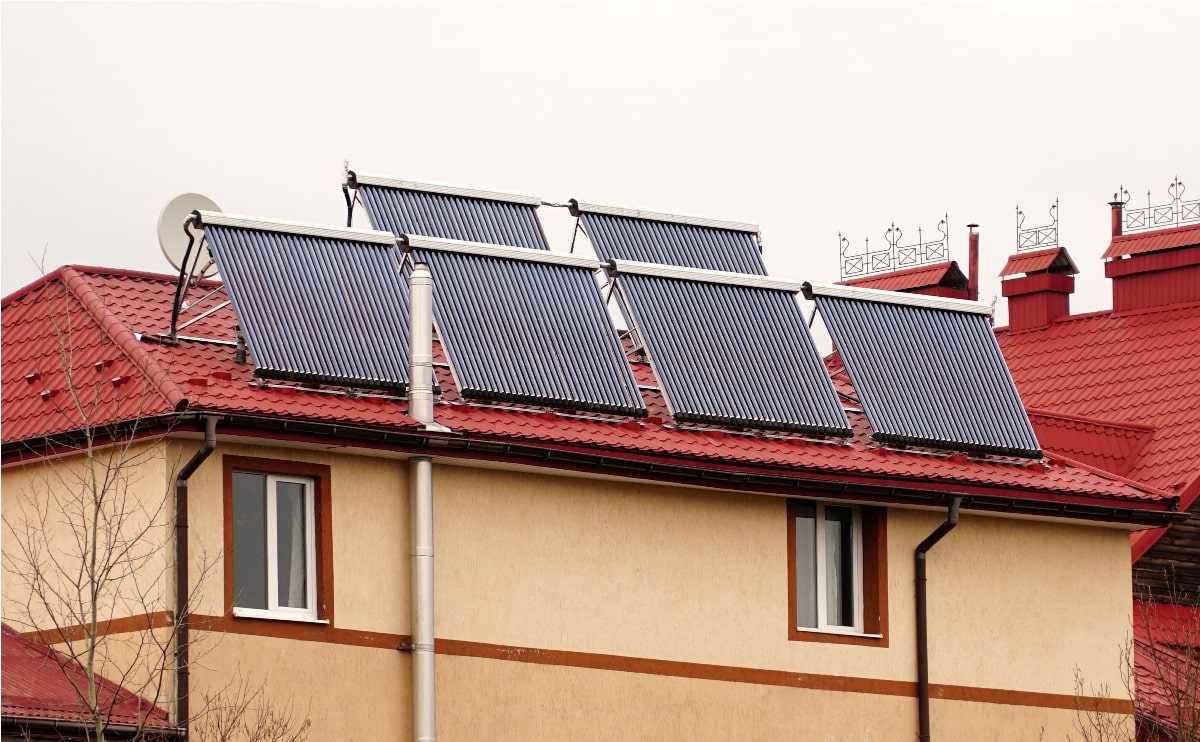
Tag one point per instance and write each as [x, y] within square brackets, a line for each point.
[808, 119]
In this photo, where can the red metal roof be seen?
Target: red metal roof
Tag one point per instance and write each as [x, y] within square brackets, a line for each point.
[40, 683]
[1133, 369]
[1166, 666]
[209, 380]
[1038, 260]
[924, 276]
[1109, 446]
[1159, 239]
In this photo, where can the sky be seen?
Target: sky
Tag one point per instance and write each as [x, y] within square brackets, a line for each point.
[808, 119]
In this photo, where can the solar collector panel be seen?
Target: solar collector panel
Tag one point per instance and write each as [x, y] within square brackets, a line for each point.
[316, 308]
[409, 210]
[929, 376]
[706, 339]
[528, 331]
[649, 240]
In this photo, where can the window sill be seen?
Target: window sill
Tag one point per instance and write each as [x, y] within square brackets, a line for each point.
[273, 616]
[838, 632]
[833, 636]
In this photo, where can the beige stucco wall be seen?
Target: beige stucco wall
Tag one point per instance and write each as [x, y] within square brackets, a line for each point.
[348, 693]
[48, 507]
[683, 574]
[370, 534]
[652, 571]
[486, 699]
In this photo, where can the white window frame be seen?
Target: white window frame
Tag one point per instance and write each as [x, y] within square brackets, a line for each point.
[856, 551]
[274, 610]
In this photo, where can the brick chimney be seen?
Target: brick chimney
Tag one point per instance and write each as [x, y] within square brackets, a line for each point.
[1038, 286]
[1155, 268]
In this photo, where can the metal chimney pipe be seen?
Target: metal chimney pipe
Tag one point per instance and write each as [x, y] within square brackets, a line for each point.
[420, 383]
[420, 408]
[1117, 209]
[973, 262]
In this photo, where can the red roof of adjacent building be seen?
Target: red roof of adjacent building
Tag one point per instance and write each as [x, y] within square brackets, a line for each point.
[1038, 260]
[42, 684]
[1159, 239]
[117, 313]
[925, 276]
[1125, 369]
[1166, 665]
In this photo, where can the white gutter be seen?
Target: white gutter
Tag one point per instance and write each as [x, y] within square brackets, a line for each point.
[896, 297]
[420, 408]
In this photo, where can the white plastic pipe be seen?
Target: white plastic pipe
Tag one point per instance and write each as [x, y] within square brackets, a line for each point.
[420, 408]
[424, 710]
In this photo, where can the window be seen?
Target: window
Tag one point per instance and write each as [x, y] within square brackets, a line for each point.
[278, 561]
[837, 557]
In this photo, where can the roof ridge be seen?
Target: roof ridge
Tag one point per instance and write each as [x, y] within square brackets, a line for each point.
[123, 337]
[1091, 420]
[1141, 486]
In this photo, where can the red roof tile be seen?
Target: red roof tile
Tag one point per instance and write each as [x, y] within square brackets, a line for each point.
[1134, 369]
[1159, 239]
[1039, 260]
[41, 683]
[1113, 447]
[1166, 665]
[211, 381]
[925, 276]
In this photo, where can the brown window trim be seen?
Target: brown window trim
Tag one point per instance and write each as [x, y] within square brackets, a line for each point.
[874, 578]
[323, 506]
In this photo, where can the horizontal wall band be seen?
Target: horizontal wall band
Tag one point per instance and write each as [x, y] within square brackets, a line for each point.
[783, 678]
[299, 631]
[124, 625]
[621, 663]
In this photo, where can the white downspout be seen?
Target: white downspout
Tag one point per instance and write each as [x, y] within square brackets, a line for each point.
[420, 408]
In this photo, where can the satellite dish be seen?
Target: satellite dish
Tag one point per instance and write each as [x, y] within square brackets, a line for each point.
[174, 241]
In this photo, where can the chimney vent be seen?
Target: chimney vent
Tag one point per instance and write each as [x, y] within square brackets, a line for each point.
[1038, 286]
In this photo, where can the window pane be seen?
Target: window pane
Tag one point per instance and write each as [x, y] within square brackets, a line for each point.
[249, 540]
[839, 565]
[290, 539]
[806, 565]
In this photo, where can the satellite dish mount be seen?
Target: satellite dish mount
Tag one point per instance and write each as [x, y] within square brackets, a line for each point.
[179, 243]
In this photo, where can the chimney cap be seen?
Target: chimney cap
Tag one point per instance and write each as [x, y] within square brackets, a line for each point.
[1050, 260]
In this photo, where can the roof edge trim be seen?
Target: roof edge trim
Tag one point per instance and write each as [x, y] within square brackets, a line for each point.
[124, 338]
[444, 189]
[579, 207]
[812, 290]
[506, 252]
[701, 275]
[216, 218]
